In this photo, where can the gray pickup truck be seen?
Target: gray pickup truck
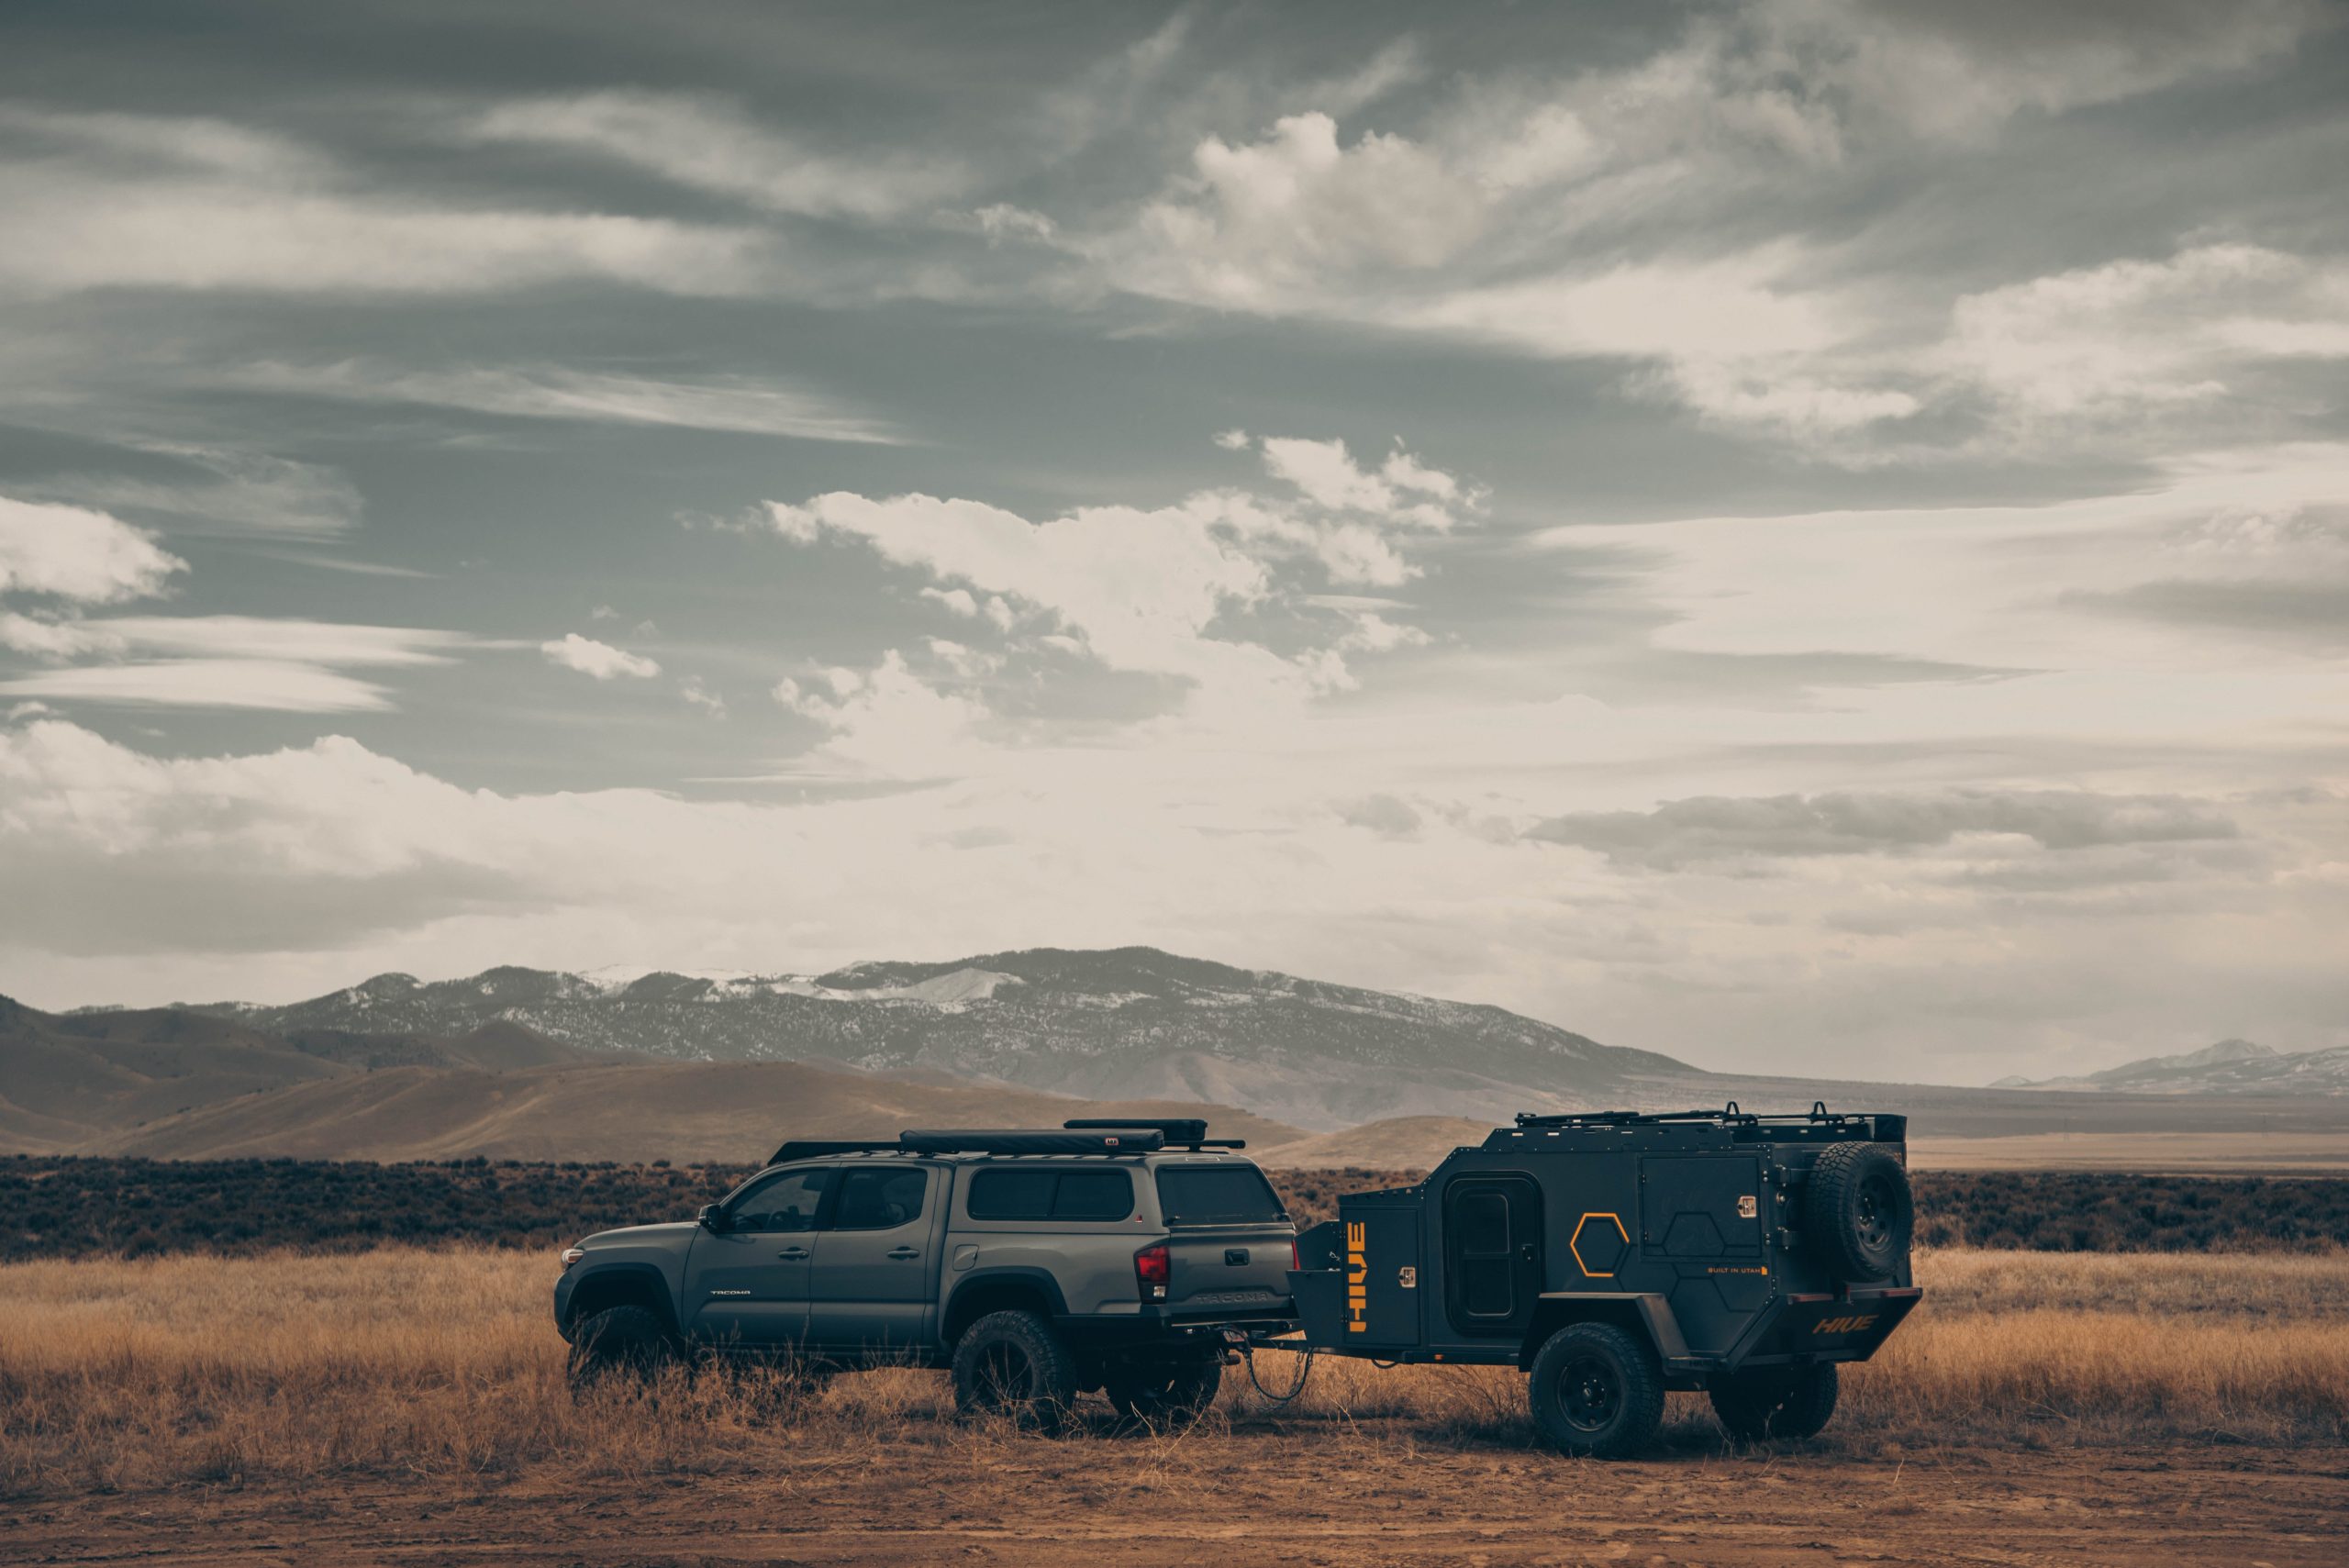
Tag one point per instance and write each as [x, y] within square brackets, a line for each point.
[1125, 1258]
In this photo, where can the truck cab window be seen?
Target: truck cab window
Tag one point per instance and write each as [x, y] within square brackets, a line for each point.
[784, 1202]
[880, 1200]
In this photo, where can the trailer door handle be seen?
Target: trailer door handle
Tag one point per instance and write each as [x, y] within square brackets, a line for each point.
[1526, 1251]
[904, 1253]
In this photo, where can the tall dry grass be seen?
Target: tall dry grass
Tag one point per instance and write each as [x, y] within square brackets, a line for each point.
[122, 1374]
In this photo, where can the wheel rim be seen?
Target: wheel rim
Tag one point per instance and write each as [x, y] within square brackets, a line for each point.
[1873, 1221]
[1590, 1394]
[1006, 1377]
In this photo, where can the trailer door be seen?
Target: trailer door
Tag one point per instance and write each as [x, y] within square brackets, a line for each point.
[1492, 1253]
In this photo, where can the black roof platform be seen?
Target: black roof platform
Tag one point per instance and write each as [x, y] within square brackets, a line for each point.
[1081, 1135]
[1180, 1132]
[1107, 1138]
[1731, 1125]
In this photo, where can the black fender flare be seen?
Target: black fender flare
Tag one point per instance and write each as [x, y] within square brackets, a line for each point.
[1645, 1314]
[641, 1281]
[1041, 1280]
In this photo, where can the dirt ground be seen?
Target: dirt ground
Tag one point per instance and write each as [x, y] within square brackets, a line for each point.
[1357, 1503]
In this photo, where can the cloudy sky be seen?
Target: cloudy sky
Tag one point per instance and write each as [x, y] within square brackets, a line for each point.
[1814, 535]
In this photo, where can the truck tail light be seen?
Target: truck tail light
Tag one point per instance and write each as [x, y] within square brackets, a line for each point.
[1295, 1262]
[1153, 1267]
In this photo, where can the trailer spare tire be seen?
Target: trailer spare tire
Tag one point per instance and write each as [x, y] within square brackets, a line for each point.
[1858, 1213]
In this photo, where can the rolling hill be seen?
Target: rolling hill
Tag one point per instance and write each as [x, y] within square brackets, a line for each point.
[683, 1111]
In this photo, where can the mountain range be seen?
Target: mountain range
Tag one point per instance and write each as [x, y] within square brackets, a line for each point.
[2230, 1067]
[1127, 1023]
[527, 1064]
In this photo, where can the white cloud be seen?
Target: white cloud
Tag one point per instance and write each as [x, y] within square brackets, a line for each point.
[890, 722]
[697, 695]
[1144, 589]
[263, 684]
[710, 144]
[748, 404]
[125, 205]
[598, 659]
[2134, 335]
[72, 552]
[229, 492]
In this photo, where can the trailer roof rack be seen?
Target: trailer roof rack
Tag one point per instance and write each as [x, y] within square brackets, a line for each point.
[1817, 1125]
[1817, 1116]
[1180, 1132]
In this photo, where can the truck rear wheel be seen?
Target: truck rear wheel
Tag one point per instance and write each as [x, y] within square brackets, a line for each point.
[620, 1340]
[1011, 1363]
[1164, 1394]
[1773, 1402]
[1597, 1392]
[1858, 1212]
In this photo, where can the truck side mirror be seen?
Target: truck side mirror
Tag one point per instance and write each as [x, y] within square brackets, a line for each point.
[713, 1219]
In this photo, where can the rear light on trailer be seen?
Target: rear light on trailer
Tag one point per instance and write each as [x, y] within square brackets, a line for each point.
[1153, 1267]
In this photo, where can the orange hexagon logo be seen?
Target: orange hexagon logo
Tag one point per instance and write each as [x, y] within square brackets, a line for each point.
[1603, 1249]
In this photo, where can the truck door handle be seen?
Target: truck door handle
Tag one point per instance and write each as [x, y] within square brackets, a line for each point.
[793, 1253]
[904, 1253]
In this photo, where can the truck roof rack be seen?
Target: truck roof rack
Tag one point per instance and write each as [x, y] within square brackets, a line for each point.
[816, 1148]
[1082, 1135]
[1180, 1132]
[1118, 1138]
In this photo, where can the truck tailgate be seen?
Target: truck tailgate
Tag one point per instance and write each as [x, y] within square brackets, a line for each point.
[1239, 1270]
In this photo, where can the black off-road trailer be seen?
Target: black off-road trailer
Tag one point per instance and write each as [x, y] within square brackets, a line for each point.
[1616, 1255]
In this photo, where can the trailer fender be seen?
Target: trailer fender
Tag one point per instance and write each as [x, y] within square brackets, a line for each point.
[1642, 1313]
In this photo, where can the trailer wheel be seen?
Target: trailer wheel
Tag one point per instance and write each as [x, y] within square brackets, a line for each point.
[1164, 1395]
[1597, 1392]
[1011, 1363]
[1763, 1403]
[1858, 1213]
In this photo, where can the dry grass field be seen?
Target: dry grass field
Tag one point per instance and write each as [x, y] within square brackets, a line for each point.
[221, 1408]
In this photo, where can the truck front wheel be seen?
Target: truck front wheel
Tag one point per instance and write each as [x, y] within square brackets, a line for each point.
[1011, 1363]
[626, 1340]
[1597, 1392]
[1769, 1402]
[1164, 1394]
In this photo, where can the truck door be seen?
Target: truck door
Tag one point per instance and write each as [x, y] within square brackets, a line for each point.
[1492, 1253]
[747, 1284]
[875, 1273]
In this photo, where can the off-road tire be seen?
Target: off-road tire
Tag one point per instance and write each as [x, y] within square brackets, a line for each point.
[620, 1342]
[1011, 1363]
[1164, 1395]
[1769, 1402]
[1858, 1213]
[1597, 1392]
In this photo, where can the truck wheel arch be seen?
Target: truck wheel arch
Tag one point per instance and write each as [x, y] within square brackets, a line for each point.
[1000, 1290]
[623, 1285]
[1646, 1316]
